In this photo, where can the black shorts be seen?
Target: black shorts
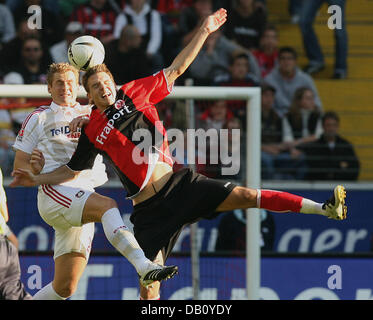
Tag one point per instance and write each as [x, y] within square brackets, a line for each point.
[186, 198]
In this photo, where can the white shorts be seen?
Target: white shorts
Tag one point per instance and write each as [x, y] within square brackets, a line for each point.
[62, 207]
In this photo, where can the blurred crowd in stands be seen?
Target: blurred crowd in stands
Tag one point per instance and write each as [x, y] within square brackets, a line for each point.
[300, 138]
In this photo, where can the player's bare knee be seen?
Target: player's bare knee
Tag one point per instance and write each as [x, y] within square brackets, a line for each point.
[66, 290]
[108, 203]
[248, 196]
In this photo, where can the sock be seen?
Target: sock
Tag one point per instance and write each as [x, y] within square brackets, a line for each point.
[279, 201]
[309, 206]
[123, 240]
[47, 293]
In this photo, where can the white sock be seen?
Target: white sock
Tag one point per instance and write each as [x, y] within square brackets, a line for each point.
[309, 206]
[123, 240]
[47, 293]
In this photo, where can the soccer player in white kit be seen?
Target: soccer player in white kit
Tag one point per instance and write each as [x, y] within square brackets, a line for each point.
[43, 144]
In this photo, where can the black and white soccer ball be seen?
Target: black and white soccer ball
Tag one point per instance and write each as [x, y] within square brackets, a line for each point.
[85, 52]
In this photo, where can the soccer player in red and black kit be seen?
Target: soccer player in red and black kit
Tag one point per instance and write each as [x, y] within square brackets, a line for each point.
[164, 201]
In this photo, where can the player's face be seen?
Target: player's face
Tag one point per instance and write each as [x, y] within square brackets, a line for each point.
[64, 88]
[102, 90]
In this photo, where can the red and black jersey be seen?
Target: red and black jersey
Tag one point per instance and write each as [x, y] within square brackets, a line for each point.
[128, 133]
[96, 23]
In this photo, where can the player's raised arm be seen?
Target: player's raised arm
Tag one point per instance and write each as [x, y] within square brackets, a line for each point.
[24, 177]
[185, 58]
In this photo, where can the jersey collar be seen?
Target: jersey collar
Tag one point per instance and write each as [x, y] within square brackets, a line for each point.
[56, 107]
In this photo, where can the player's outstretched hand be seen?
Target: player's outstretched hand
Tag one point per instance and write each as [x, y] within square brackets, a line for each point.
[37, 161]
[215, 21]
[23, 177]
[78, 122]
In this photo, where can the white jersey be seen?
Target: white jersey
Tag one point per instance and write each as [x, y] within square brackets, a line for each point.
[4, 230]
[47, 129]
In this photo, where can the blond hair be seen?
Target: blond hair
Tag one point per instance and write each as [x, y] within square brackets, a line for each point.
[61, 67]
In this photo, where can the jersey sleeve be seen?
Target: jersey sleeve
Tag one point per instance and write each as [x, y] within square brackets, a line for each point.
[148, 90]
[28, 136]
[84, 155]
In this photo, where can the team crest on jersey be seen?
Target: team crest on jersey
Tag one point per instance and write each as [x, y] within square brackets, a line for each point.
[121, 104]
[80, 194]
[20, 135]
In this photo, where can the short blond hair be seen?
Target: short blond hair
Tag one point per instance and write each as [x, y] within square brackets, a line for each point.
[61, 67]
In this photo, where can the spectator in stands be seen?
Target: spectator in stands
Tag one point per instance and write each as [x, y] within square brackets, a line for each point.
[7, 27]
[51, 5]
[170, 11]
[271, 133]
[233, 151]
[17, 114]
[287, 78]
[246, 23]
[67, 7]
[239, 76]
[125, 57]
[213, 60]
[148, 22]
[214, 117]
[331, 157]
[98, 19]
[7, 138]
[34, 62]
[311, 43]
[303, 121]
[171, 8]
[295, 8]
[192, 17]
[302, 124]
[58, 51]
[267, 53]
[52, 27]
[10, 54]
[232, 231]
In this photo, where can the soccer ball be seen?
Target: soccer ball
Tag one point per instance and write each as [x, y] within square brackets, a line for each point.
[85, 52]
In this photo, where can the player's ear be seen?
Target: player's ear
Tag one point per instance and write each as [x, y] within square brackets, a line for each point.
[90, 100]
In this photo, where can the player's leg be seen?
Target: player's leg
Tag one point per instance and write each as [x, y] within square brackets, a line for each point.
[71, 253]
[278, 201]
[68, 269]
[102, 209]
[151, 292]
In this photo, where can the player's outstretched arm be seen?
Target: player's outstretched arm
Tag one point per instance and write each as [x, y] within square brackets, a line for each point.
[24, 177]
[185, 58]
